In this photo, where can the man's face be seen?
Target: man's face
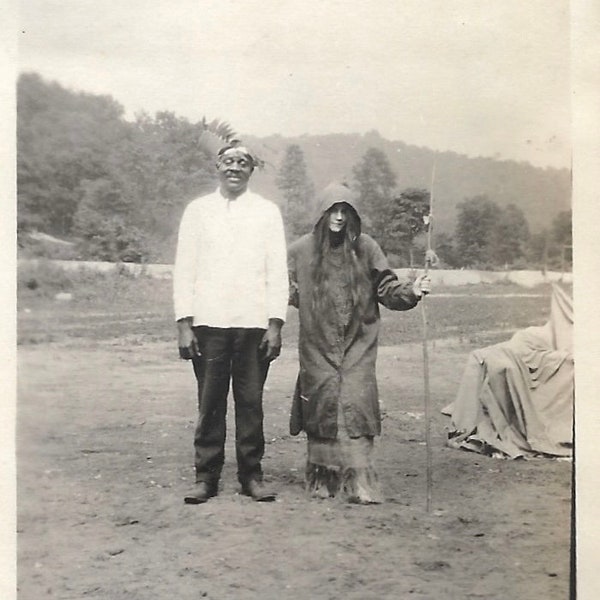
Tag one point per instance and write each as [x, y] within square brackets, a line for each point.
[234, 168]
[338, 217]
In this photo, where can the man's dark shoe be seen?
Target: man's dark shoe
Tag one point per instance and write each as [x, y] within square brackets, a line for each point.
[258, 491]
[201, 493]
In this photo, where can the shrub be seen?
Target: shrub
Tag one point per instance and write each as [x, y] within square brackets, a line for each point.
[111, 239]
[42, 278]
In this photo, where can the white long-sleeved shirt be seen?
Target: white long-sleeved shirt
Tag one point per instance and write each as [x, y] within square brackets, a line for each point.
[230, 267]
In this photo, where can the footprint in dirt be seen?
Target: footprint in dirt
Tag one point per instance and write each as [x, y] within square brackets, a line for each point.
[433, 565]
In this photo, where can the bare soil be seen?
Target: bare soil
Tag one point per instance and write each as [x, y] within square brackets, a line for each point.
[105, 428]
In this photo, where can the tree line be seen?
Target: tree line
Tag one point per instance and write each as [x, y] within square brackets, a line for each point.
[116, 188]
[486, 236]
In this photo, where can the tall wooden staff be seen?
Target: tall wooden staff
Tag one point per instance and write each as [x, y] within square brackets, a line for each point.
[430, 259]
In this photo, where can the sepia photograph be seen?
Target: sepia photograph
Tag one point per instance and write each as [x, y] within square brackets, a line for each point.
[294, 300]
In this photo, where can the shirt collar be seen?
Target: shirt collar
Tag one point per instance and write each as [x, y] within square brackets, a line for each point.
[245, 194]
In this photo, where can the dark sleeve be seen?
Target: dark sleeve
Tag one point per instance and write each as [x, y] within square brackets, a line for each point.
[394, 293]
[293, 298]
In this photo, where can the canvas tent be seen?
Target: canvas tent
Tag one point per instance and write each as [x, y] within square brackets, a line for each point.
[515, 399]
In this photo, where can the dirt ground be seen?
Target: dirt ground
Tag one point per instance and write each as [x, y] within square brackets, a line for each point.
[104, 442]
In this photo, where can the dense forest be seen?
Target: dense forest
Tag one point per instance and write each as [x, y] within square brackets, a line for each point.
[114, 189]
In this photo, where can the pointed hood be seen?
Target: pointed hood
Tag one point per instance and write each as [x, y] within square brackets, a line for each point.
[335, 193]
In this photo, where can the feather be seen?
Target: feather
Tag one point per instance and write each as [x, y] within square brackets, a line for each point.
[216, 134]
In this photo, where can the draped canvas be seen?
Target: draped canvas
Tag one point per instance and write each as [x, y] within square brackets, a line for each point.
[516, 398]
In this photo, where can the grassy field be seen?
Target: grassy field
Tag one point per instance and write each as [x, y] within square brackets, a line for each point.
[478, 314]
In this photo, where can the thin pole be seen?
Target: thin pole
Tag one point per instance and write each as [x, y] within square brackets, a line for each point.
[427, 405]
[427, 399]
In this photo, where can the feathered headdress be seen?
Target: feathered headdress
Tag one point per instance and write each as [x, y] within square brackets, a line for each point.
[217, 137]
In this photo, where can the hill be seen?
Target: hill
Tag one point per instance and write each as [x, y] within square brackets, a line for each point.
[540, 193]
[116, 188]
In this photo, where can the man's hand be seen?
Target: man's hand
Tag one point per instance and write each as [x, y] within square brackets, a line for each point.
[187, 342]
[270, 346]
[422, 286]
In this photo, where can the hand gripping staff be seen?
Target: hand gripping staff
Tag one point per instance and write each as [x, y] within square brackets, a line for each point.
[430, 260]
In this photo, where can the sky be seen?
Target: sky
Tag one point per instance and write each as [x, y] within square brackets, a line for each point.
[478, 77]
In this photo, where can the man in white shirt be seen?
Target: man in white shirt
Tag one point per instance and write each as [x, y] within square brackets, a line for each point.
[230, 291]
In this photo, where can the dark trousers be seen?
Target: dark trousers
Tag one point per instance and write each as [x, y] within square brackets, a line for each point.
[229, 355]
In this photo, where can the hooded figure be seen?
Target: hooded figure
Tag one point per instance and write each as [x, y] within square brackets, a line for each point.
[338, 278]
